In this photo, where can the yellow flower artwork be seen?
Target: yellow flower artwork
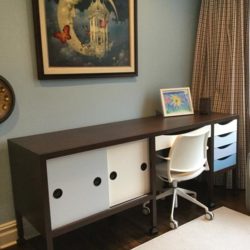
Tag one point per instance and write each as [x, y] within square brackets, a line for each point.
[176, 101]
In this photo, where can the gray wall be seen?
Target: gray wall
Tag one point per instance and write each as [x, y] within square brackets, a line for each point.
[166, 38]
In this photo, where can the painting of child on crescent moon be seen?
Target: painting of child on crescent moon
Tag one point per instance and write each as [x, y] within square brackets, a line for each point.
[87, 33]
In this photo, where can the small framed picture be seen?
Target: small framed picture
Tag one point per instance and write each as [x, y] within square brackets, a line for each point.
[176, 101]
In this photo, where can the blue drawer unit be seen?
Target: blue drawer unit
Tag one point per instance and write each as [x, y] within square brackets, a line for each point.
[225, 162]
[225, 145]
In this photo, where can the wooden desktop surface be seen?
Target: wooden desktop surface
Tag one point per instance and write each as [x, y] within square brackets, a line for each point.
[69, 141]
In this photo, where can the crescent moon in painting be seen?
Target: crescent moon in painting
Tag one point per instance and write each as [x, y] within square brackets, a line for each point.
[65, 15]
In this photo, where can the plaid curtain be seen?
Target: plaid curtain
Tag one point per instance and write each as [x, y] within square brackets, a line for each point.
[220, 69]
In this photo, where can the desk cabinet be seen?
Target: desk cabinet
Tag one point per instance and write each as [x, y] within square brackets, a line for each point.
[86, 183]
[67, 179]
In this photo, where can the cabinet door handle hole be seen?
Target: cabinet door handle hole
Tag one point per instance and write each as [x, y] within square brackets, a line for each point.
[144, 166]
[57, 193]
[113, 175]
[97, 181]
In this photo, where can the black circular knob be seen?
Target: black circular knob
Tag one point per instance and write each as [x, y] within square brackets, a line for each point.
[113, 175]
[57, 193]
[97, 181]
[144, 166]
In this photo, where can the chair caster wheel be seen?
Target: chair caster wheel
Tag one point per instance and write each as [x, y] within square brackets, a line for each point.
[173, 224]
[209, 215]
[146, 210]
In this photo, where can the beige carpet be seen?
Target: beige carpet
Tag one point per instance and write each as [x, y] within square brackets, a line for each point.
[230, 230]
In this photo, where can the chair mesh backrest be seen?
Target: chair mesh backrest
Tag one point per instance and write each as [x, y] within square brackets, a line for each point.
[189, 151]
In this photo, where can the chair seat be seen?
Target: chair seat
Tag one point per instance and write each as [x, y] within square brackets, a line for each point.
[177, 176]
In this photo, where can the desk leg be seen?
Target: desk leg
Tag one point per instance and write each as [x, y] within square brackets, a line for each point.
[154, 229]
[20, 232]
[49, 242]
[210, 173]
[211, 203]
[234, 179]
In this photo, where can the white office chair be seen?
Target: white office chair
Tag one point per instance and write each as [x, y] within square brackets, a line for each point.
[186, 160]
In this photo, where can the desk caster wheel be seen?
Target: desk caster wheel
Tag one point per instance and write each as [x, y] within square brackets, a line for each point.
[173, 224]
[209, 215]
[153, 231]
[146, 210]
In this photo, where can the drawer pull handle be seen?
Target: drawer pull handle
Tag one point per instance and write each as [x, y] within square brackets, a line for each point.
[57, 193]
[113, 175]
[225, 146]
[224, 135]
[223, 158]
[97, 181]
[144, 166]
[223, 123]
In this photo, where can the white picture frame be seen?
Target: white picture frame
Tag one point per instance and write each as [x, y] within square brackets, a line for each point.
[176, 101]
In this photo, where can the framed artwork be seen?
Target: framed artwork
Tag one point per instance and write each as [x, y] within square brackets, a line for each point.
[176, 101]
[85, 38]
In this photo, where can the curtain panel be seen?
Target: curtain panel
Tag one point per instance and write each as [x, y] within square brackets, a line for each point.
[221, 65]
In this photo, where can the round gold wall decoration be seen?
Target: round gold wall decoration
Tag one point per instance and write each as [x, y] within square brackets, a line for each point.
[7, 99]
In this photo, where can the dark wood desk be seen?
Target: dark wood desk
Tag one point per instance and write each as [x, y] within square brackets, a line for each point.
[32, 156]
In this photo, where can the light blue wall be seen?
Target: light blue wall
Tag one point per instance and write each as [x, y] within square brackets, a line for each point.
[166, 37]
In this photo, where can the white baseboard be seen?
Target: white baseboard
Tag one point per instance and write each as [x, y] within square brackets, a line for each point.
[8, 234]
